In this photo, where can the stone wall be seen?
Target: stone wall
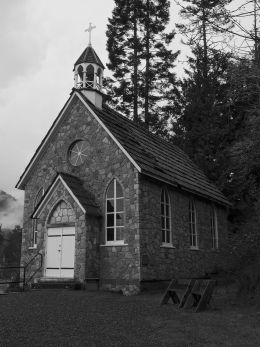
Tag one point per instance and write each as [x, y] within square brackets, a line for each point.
[105, 162]
[161, 263]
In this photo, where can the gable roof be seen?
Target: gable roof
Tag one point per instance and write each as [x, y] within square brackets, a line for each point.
[156, 157]
[89, 56]
[75, 188]
[151, 155]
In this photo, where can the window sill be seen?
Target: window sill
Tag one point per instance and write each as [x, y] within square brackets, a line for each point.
[114, 244]
[33, 247]
[194, 249]
[167, 246]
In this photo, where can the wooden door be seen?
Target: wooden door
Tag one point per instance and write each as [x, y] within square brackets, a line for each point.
[60, 252]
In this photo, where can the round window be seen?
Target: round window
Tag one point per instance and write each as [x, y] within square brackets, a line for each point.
[78, 152]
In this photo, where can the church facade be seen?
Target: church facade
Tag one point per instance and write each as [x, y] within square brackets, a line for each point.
[107, 200]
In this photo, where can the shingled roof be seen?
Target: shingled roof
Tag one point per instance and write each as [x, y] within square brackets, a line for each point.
[89, 56]
[156, 157]
[152, 155]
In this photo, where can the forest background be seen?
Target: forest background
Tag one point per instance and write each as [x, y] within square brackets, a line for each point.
[211, 111]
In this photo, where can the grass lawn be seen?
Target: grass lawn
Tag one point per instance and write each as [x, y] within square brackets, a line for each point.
[81, 318]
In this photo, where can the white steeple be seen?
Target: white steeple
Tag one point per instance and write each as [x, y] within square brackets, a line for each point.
[88, 73]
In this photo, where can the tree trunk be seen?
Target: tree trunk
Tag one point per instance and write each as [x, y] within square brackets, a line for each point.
[205, 45]
[135, 81]
[147, 63]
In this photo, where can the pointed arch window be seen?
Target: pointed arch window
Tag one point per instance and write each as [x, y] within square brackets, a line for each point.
[90, 76]
[214, 228]
[37, 199]
[166, 218]
[114, 213]
[193, 225]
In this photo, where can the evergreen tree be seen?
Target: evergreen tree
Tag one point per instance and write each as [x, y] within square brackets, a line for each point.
[123, 46]
[204, 128]
[141, 61]
[203, 20]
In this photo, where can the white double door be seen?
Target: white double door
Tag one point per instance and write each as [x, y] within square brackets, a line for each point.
[60, 252]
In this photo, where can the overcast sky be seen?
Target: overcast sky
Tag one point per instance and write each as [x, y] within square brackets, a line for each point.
[40, 42]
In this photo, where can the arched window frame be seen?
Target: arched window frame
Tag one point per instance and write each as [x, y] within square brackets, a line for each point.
[115, 207]
[80, 76]
[90, 70]
[214, 227]
[37, 199]
[193, 230]
[166, 220]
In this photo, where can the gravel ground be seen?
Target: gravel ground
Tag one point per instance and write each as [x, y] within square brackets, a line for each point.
[80, 318]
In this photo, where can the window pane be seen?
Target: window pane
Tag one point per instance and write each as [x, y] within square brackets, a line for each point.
[110, 205]
[163, 236]
[110, 220]
[167, 207]
[194, 240]
[168, 236]
[162, 197]
[110, 190]
[119, 191]
[35, 235]
[162, 209]
[163, 222]
[120, 205]
[110, 234]
[166, 198]
[119, 219]
[167, 223]
[119, 234]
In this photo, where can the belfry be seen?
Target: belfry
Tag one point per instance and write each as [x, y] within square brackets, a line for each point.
[88, 73]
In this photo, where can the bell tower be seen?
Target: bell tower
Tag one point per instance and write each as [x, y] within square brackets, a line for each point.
[88, 73]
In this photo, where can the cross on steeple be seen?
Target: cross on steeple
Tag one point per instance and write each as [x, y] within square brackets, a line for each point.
[89, 29]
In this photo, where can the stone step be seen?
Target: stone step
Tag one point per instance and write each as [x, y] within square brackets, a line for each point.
[57, 283]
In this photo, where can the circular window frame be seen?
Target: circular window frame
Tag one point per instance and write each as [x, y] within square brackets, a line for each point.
[70, 150]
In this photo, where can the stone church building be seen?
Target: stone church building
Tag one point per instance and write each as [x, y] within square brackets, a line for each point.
[107, 200]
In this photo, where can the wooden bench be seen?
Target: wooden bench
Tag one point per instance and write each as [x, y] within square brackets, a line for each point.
[197, 294]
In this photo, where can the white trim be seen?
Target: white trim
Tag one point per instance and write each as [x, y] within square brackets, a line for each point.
[52, 188]
[115, 212]
[164, 230]
[193, 211]
[19, 184]
[109, 133]
[167, 245]
[193, 248]
[114, 244]
[214, 231]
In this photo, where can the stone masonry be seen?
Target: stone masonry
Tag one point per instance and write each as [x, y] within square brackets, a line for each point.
[141, 257]
[163, 263]
[118, 267]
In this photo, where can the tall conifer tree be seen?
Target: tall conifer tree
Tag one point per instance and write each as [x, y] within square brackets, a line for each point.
[141, 62]
[202, 127]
